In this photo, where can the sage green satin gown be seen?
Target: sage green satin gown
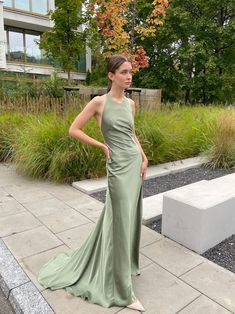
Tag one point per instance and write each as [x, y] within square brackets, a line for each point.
[100, 270]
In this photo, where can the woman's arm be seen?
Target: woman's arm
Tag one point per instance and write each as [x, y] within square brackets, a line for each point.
[82, 118]
[144, 158]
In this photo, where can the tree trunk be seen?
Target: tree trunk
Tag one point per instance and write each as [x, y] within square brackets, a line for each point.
[132, 39]
[203, 88]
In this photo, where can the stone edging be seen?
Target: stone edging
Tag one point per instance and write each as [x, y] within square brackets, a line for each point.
[23, 295]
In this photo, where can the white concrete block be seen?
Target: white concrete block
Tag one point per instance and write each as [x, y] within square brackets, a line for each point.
[152, 205]
[202, 215]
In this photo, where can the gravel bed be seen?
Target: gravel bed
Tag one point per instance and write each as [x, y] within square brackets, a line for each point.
[223, 253]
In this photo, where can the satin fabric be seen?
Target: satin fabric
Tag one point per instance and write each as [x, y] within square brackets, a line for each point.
[100, 270]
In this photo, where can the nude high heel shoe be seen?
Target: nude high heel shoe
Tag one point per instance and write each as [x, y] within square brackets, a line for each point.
[136, 306]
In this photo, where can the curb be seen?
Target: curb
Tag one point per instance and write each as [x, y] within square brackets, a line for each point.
[22, 294]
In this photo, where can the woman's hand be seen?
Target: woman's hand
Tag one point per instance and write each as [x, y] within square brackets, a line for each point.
[106, 151]
[144, 169]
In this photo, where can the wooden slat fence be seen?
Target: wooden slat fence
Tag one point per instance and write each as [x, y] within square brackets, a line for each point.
[36, 105]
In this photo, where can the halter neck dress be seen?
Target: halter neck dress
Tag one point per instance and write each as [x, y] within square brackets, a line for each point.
[100, 270]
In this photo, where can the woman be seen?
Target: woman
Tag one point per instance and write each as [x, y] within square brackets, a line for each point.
[100, 270]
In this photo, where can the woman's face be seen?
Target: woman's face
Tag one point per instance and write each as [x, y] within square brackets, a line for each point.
[122, 76]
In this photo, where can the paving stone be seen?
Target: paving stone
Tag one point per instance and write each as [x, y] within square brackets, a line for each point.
[4, 196]
[62, 302]
[149, 236]
[87, 206]
[172, 256]
[92, 210]
[144, 261]
[204, 305]
[161, 292]
[10, 207]
[46, 207]
[215, 282]
[74, 237]
[32, 264]
[11, 274]
[66, 193]
[63, 220]
[28, 195]
[17, 223]
[31, 242]
[27, 299]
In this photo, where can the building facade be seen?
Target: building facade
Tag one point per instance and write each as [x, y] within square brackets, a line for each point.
[22, 22]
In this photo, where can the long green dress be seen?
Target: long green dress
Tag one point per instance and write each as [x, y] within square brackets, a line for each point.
[100, 270]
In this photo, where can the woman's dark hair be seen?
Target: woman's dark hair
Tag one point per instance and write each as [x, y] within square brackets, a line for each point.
[114, 63]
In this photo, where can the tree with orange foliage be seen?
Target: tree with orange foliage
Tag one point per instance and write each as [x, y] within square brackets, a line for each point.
[120, 26]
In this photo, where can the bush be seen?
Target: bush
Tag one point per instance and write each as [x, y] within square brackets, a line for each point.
[36, 143]
[53, 87]
[221, 150]
[9, 123]
[45, 150]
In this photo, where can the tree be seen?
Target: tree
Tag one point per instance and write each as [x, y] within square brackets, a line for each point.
[192, 56]
[121, 26]
[68, 38]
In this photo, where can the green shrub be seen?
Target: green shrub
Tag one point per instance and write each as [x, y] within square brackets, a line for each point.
[73, 160]
[36, 143]
[221, 149]
[53, 87]
[9, 123]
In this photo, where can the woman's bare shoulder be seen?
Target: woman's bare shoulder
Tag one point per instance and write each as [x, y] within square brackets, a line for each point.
[132, 104]
[98, 102]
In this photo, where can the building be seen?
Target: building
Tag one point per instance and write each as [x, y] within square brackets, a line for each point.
[21, 23]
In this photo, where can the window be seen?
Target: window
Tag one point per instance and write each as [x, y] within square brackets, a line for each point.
[40, 7]
[8, 3]
[81, 63]
[35, 6]
[16, 45]
[22, 5]
[33, 53]
[5, 41]
[21, 46]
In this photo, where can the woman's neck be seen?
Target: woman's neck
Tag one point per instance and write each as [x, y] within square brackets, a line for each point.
[117, 93]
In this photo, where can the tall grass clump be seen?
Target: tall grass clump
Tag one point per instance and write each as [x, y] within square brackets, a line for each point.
[73, 160]
[9, 123]
[44, 149]
[175, 133]
[36, 143]
[150, 135]
[221, 150]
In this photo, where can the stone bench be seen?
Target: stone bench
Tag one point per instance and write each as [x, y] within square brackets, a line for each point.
[201, 215]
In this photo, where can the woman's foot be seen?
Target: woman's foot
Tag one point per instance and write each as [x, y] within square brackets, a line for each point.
[136, 306]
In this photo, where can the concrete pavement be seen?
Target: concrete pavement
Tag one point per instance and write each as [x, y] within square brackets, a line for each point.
[39, 219]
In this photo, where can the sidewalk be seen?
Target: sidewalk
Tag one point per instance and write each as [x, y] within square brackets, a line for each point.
[39, 219]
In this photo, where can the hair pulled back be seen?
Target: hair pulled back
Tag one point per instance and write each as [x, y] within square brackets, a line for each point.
[113, 64]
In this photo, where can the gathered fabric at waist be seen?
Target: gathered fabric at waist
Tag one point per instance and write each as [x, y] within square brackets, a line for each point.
[123, 147]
